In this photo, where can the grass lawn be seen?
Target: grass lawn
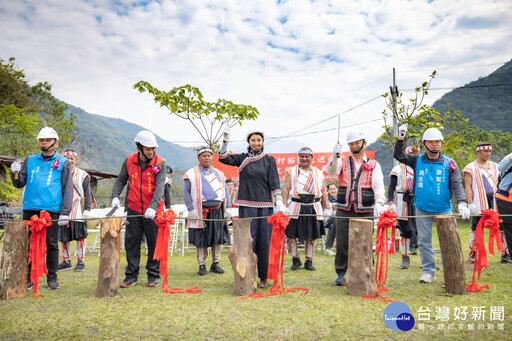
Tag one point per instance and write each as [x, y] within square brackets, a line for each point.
[327, 312]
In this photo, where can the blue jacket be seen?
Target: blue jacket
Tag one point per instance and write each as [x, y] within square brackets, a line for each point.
[43, 188]
[432, 191]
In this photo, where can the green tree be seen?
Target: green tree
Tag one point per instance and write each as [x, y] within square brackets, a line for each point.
[208, 118]
[25, 109]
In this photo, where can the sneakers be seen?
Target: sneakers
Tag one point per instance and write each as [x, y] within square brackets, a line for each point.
[427, 278]
[128, 282]
[216, 268]
[406, 260]
[202, 270]
[329, 252]
[152, 282]
[296, 263]
[30, 285]
[309, 265]
[65, 265]
[53, 284]
[413, 251]
[505, 259]
[263, 283]
[339, 280]
[80, 266]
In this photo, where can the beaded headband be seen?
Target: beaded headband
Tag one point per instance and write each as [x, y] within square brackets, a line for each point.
[479, 148]
[70, 153]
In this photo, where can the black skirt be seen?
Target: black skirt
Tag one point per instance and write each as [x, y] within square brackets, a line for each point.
[76, 230]
[306, 227]
[215, 232]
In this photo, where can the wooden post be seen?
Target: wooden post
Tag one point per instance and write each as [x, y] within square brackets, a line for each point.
[110, 253]
[360, 276]
[451, 251]
[13, 278]
[242, 258]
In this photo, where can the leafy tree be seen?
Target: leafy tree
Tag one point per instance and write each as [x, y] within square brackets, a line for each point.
[25, 109]
[208, 118]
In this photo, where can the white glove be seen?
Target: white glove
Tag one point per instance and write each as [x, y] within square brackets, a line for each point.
[327, 212]
[393, 208]
[402, 130]
[337, 150]
[281, 207]
[378, 209]
[464, 210]
[116, 203]
[193, 214]
[86, 214]
[16, 166]
[150, 213]
[226, 134]
[472, 209]
[63, 220]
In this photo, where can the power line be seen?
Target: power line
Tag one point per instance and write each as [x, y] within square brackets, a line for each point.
[455, 67]
[466, 87]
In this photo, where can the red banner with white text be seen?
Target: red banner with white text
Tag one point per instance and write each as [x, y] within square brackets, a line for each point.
[284, 160]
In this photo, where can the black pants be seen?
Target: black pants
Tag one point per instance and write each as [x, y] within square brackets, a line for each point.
[331, 235]
[136, 228]
[261, 233]
[52, 243]
[342, 223]
[505, 207]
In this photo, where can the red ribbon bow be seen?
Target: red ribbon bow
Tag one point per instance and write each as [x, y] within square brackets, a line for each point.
[279, 222]
[490, 220]
[37, 241]
[387, 219]
[164, 222]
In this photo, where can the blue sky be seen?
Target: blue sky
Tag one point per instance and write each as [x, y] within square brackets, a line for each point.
[299, 62]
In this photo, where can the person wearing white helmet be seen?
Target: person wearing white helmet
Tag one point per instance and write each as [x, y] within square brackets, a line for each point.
[481, 179]
[436, 179]
[401, 181]
[361, 192]
[207, 197]
[258, 192]
[145, 173]
[304, 185]
[77, 228]
[48, 186]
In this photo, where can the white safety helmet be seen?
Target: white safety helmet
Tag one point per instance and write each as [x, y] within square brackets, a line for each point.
[146, 138]
[47, 133]
[254, 130]
[432, 134]
[355, 135]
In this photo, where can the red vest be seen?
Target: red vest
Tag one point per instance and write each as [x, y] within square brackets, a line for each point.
[142, 183]
[356, 188]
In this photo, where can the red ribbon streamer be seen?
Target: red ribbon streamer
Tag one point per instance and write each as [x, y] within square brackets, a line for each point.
[387, 219]
[279, 222]
[164, 222]
[490, 220]
[37, 254]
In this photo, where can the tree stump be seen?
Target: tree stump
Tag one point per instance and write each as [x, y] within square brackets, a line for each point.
[13, 278]
[110, 254]
[242, 258]
[452, 257]
[360, 276]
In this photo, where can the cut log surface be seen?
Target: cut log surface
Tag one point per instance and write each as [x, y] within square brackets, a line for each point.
[13, 277]
[360, 276]
[110, 253]
[243, 259]
[452, 257]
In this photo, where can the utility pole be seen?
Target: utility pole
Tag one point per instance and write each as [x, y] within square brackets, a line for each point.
[393, 90]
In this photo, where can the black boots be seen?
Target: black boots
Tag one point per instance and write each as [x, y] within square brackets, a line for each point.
[202, 270]
[405, 262]
[309, 265]
[216, 268]
[296, 263]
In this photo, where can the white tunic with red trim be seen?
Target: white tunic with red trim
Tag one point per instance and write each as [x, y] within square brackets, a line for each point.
[479, 193]
[305, 183]
[78, 193]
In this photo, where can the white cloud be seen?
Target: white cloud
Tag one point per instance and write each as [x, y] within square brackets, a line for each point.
[298, 62]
